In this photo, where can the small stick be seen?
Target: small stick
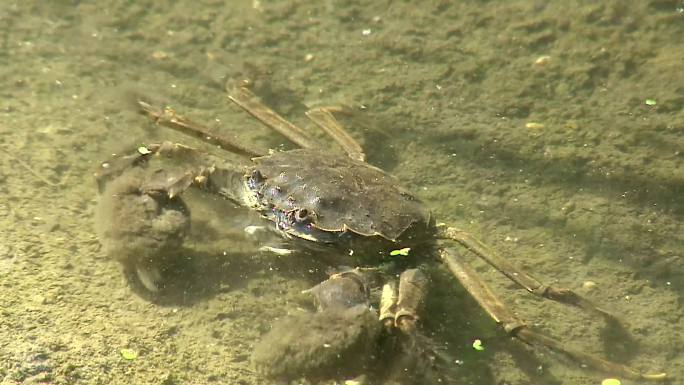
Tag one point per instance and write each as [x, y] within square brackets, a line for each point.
[29, 169]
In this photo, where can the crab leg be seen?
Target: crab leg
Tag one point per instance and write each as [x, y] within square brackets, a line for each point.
[519, 276]
[188, 167]
[412, 291]
[324, 118]
[388, 305]
[170, 182]
[517, 328]
[249, 102]
[399, 307]
[168, 117]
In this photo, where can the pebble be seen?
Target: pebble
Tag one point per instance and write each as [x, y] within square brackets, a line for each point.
[589, 285]
[534, 125]
[542, 60]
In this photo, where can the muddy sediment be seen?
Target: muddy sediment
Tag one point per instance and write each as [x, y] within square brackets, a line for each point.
[553, 131]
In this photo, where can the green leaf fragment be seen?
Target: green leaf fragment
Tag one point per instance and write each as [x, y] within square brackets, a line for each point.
[129, 354]
[404, 252]
[477, 345]
[610, 381]
[650, 102]
[143, 150]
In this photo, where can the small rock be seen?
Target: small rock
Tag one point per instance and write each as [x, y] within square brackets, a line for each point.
[542, 60]
[51, 225]
[160, 55]
[534, 125]
[39, 299]
[589, 285]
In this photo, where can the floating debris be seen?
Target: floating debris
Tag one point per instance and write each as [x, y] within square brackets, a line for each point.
[588, 285]
[160, 55]
[143, 150]
[611, 381]
[404, 252]
[542, 60]
[477, 345]
[650, 102]
[534, 125]
[129, 354]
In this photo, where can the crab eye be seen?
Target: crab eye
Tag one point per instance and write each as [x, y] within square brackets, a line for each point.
[254, 179]
[301, 215]
[256, 176]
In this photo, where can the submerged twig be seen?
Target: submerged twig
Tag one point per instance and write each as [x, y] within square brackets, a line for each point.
[31, 170]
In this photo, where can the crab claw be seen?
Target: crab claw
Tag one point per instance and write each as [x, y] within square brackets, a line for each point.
[141, 229]
[337, 341]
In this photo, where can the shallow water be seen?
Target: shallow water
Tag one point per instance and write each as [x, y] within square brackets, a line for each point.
[523, 122]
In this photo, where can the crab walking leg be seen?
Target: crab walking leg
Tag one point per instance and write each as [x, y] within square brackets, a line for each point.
[517, 328]
[519, 276]
[168, 117]
[324, 119]
[412, 290]
[249, 102]
[189, 168]
[169, 182]
[388, 305]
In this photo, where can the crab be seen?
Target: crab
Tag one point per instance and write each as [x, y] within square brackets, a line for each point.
[315, 200]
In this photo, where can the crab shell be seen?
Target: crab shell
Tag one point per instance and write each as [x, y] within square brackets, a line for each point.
[319, 196]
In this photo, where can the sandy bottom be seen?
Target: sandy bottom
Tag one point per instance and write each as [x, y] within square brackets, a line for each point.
[552, 132]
